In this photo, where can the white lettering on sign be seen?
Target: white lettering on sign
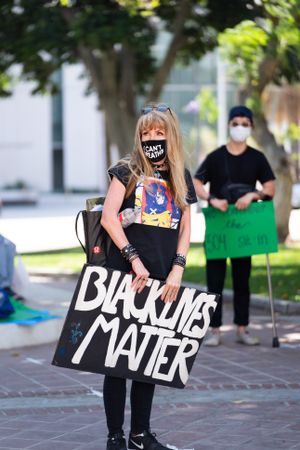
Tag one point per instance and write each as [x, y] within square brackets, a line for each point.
[147, 329]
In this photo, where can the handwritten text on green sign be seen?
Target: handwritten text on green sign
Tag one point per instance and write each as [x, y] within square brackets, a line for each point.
[237, 233]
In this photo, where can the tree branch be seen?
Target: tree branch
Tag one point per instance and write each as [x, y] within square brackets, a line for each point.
[176, 44]
[91, 62]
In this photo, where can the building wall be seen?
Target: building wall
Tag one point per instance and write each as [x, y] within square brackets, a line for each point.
[25, 139]
[39, 133]
[83, 135]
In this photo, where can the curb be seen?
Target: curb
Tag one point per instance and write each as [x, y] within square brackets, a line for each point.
[18, 336]
[284, 307]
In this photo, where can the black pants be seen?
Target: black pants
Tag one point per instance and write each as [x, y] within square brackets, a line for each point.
[240, 271]
[114, 393]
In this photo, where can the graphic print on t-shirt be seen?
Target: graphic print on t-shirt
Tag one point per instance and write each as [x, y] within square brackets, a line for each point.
[154, 198]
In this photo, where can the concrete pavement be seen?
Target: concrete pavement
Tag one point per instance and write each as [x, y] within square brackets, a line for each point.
[236, 397]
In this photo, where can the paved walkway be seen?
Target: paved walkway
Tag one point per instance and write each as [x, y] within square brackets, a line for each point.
[236, 398]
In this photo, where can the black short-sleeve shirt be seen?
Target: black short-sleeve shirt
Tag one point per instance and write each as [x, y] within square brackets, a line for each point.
[220, 167]
[155, 231]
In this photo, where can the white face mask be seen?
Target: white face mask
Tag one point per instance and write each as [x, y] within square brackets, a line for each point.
[239, 133]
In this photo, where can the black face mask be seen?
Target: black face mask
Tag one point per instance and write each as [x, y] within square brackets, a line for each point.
[155, 151]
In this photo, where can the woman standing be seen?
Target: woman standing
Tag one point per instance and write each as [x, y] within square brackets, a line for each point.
[233, 171]
[154, 182]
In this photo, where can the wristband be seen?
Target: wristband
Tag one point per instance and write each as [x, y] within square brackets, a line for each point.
[129, 252]
[210, 197]
[133, 257]
[179, 260]
[262, 195]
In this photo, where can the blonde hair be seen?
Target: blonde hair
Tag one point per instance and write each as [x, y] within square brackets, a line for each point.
[140, 166]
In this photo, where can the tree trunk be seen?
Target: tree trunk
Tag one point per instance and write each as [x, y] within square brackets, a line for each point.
[275, 153]
[116, 98]
[177, 42]
[281, 167]
[119, 115]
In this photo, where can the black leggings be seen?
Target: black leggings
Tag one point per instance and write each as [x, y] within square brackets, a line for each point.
[114, 394]
[240, 271]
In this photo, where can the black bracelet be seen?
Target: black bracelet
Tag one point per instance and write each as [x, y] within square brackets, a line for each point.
[179, 260]
[129, 252]
[133, 256]
[262, 195]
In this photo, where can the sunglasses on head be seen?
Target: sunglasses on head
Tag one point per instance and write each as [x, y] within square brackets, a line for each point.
[161, 107]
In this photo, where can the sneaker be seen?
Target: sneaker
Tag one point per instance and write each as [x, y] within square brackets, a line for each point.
[116, 442]
[145, 441]
[245, 338]
[213, 340]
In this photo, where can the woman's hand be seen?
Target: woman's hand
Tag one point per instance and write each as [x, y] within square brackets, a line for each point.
[244, 202]
[141, 275]
[172, 284]
[219, 203]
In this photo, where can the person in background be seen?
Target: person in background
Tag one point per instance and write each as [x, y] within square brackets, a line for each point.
[154, 181]
[7, 255]
[233, 171]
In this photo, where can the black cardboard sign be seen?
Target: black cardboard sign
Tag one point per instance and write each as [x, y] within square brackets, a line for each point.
[110, 329]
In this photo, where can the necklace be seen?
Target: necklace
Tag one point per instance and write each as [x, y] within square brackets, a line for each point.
[162, 166]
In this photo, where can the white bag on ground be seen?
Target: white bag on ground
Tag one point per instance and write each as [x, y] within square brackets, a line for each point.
[21, 281]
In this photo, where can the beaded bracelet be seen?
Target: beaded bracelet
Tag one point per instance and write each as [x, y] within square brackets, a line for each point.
[129, 252]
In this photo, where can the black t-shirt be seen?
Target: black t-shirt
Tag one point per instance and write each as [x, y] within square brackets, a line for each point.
[155, 231]
[221, 167]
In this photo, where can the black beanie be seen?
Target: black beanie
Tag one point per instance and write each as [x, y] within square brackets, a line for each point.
[240, 111]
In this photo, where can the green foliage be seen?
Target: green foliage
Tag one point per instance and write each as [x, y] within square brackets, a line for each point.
[5, 84]
[244, 46]
[143, 7]
[206, 19]
[284, 267]
[285, 272]
[293, 132]
[68, 260]
[275, 37]
[41, 36]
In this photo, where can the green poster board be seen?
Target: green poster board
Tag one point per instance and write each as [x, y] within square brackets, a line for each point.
[238, 233]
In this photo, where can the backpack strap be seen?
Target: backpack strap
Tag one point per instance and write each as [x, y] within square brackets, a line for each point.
[76, 230]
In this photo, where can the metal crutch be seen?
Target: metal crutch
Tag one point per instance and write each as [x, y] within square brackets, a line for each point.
[275, 342]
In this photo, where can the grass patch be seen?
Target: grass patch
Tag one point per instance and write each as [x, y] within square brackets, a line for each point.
[285, 271]
[64, 260]
[285, 268]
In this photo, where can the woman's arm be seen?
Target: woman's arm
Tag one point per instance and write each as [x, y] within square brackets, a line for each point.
[268, 191]
[174, 278]
[112, 224]
[201, 192]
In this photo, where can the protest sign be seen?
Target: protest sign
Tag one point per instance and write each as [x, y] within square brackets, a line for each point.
[237, 233]
[111, 329]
